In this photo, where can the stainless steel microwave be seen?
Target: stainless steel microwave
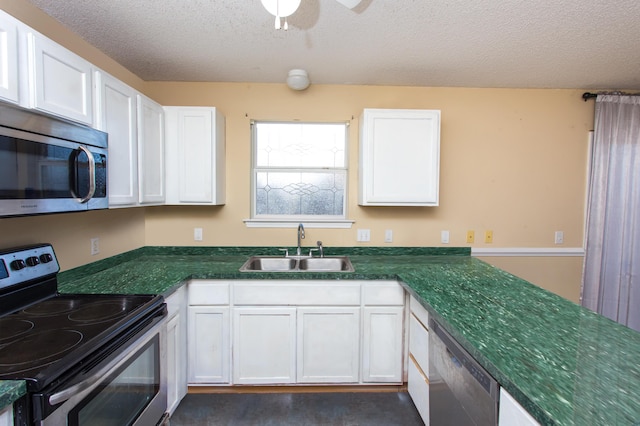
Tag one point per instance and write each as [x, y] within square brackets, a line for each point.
[49, 165]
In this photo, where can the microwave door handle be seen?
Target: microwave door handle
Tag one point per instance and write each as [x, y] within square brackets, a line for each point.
[92, 177]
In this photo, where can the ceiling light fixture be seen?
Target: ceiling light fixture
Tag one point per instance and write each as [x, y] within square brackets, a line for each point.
[281, 9]
[298, 79]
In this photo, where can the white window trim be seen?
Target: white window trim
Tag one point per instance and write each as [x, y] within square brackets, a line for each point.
[264, 221]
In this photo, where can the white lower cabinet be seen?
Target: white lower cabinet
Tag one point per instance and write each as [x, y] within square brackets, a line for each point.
[418, 369]
[382, 332]
[6, 416]
[208, 344]
[176, 348]
[513, 414]
[328, 344]
[264, 345]
[382, 337]
[265, 332]
[209, 328]
[418, 388]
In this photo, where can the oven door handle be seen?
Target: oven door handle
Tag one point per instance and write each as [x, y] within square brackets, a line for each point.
[67, 393]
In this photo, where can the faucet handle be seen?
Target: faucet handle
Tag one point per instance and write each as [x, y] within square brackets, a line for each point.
[286, 252]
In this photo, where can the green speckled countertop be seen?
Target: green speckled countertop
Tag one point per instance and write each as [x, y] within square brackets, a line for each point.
[564, 364]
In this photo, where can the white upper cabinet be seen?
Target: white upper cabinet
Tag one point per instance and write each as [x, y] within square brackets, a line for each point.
[399, 157]
[9, 59]
[195, 155]
[116, 114]
[150, 151]
[60, 81]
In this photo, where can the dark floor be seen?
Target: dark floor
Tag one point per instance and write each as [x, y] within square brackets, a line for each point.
[386, 408]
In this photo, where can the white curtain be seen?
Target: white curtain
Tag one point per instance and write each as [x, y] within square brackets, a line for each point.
[611, 273]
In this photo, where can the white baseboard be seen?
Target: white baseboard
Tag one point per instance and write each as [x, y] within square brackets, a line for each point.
[527, 251]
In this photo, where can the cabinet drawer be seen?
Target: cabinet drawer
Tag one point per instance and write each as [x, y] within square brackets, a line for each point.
[418, 388]
[419, 311]
[386, 293]
[300, 293]
[419, 342]
[208, 293]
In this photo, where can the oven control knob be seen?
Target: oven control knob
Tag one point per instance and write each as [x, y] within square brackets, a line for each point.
[17, 264]
[46, 258]
[33, 261]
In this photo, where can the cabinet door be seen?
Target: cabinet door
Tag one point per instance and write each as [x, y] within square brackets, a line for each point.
[382, 344]
[150, 151]
[173, 363]
[6, 416]
[418, 388]
[328, 345]
[209, 344]
[195, 144]
[9, 77]
[513, 414]
[264, 349]
[61, 81]
[399, 157]
[176, 348]
[116, 114]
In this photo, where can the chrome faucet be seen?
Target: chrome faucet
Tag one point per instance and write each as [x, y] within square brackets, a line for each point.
[320, 248]
[300, 237]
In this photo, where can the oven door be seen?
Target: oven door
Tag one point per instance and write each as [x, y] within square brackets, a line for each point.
[126, 388]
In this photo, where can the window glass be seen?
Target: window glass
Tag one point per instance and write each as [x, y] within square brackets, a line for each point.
[299, 170]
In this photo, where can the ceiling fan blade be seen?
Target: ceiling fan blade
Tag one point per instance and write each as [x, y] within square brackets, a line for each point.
[349, 3]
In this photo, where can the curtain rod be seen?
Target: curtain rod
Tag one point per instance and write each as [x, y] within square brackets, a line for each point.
[588, 95]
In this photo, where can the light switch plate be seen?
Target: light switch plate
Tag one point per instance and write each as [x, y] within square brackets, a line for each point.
[444, 237]
[364, 235]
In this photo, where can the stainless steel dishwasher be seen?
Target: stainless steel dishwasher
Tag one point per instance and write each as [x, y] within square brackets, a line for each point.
[461, 392]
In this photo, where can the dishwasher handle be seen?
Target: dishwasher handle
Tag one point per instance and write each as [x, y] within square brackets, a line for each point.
[461, 358]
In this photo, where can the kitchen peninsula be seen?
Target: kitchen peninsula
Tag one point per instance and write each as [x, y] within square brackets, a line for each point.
[564, 364]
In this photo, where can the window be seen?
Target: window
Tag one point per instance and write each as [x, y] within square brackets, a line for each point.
[299, 171]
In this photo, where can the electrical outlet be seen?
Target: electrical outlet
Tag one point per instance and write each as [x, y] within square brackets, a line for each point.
[364, 235]
[95, 246]
[488, 237]
[559, 237]
[471, 237]
[444, 237]
[388, 236]
[197, 234]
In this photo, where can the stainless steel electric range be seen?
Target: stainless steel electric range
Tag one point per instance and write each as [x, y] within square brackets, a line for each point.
[87, 359]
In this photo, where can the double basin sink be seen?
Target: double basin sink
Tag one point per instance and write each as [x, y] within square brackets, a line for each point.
[297, 264]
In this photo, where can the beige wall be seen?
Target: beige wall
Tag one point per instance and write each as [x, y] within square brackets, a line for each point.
[512, 161]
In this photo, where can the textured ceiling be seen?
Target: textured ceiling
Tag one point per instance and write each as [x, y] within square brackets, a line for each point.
[587, 44]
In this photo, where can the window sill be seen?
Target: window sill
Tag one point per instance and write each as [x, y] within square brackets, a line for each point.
[293, 223]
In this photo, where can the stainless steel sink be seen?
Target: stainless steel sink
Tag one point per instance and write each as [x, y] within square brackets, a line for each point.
[296, 264]
[269, 264]
[333, 264]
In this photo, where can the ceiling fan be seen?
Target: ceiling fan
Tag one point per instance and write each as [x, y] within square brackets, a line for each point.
[283, 8]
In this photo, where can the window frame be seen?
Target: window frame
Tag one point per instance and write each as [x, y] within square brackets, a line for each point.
[312, 221]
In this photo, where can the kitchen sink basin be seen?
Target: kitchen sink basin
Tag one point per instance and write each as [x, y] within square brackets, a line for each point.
[294, 264]
[340, 264]
[269, 264]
